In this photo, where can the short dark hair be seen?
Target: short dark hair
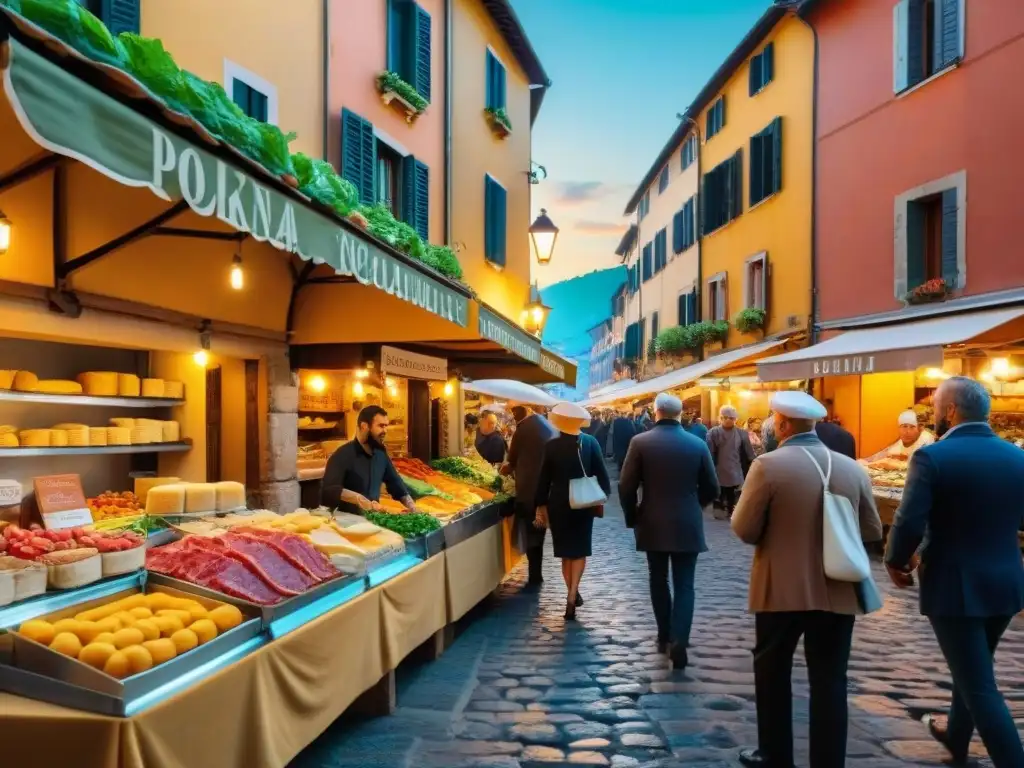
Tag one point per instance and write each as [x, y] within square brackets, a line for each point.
[519, 412]
[369, 413]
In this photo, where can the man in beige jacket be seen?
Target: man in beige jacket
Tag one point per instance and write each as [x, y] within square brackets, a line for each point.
[781, 513]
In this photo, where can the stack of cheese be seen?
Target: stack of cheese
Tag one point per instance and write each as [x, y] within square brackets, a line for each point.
[8, 436]
[26, 381]
[143, 431]
[120, 432]
[77, 434]
[110, 384]
[195, 498]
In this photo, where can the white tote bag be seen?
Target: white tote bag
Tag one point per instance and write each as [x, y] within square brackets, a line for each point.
[585, 492]
[843, 552]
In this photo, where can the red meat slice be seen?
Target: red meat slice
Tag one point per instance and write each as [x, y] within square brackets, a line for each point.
[269, 563]
[198, 561]
[281, 583]
[229, 576]
[297, 550]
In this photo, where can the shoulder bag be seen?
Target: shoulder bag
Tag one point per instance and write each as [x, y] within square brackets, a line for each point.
[585, 492]
[843, 553]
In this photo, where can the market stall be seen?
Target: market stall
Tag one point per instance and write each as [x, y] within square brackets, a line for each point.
[870, 376]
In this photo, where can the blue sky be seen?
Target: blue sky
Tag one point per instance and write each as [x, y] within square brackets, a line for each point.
[621, 70]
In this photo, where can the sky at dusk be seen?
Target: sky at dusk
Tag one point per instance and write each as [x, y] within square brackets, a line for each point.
[621, 70]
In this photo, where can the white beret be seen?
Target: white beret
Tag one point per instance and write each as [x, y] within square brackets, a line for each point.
[798, 405]
[908, 418]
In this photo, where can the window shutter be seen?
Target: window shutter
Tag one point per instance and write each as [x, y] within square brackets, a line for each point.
[723, 298]
[767, 64]
[678, 235]
[754, 76]
[765, 302]
[709, 123]
[495, 219]
[776, 137]
[721, 112]
[359, 155]
[681, 308]
[120, 15]
[416, 196]
[915, 41]
[947, 21]
[950, 212]
[647, 271]
[501, 84]
[734, 186]
[421, 38]
[900, 44]
[756, 169]
[654, 325]
[706, 205]
[691, 307]
[489, 96]
[916, 225]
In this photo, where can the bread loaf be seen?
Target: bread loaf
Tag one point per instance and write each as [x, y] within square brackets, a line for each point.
[152, 387]
[175, 389]
[99, 383]
[59, 387]
[128, 385]
[25, 381]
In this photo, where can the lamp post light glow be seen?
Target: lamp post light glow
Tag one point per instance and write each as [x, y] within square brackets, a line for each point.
[543, 233]
[5, 233]
[535, 314]
[237, 275]
[201, 358]
[317, 383]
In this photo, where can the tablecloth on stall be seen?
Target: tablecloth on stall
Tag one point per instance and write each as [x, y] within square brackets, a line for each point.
[257, 713]
[413, 607]
[473, 568]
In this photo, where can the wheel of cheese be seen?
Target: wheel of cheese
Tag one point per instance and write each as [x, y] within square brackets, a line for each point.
[152, 387]
[8, 440]
[165, 500]
[199, 497]
[230, 496]
[175, 389]
[34, 438]
[58, 438]
[128, 385]
[59, 387]
[99, 383]
[119, 436]
[97, 435]
[122, 422]
[4, 428]
[78, 437]
[139, 435]
[6, 379]
[25, 381]
[170, 431]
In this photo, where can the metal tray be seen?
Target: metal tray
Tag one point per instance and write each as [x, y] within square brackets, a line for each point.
[268, 614]
[473, 522]
[426, 546]
[75, 684]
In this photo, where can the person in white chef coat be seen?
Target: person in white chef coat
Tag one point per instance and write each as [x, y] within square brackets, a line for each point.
[912, 437]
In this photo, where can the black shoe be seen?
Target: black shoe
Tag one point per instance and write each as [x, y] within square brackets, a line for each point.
[663, 644]
[680, 658]
[752, 758]
[570, 612]
[579, 599]
[939, 733]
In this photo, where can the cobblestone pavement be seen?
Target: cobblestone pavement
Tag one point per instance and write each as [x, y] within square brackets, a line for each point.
[521, 689]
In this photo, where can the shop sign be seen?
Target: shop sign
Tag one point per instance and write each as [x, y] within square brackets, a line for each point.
[552, 365]
[66, 115]
[412, 365]
[850, 365]
[61, 502]
[514, 340]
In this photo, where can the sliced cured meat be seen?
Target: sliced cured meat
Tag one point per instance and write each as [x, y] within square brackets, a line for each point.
[231, 577]
[271, 565]
[192, 560]
[298, 551]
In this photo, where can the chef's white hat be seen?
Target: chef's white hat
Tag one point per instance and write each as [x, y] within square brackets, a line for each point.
[907, 418]
[798, 405]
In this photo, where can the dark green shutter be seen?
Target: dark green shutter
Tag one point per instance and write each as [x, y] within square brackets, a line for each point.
[647, 270]
[489, 82]
[681, 308]
[947, 37]
[120, 15]
[734, 186]
[678, 235]
[754, 76]
[915, 41]
[359, 155]
[416, 196]
[691, 306]
[721, 112]
[767, 64]
[396, 36]
[901, 39]
[916, 237]
[949, 238]
[756, 168]
[421, 36]
[495, 218]
[776, 170]
[654, 325]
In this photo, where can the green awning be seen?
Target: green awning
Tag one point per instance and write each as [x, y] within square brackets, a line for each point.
[501, 331]
[66, 115]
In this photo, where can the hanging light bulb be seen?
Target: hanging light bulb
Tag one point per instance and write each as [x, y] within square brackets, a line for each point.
[201, 358]
[317, 383]
[5, 233]
[237, 274]
[449, 389]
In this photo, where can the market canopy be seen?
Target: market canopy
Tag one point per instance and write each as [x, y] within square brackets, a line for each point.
[902, 347]
[684, 376]
[515, 391]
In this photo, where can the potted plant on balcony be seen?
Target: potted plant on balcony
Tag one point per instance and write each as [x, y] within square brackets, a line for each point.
[497, 118]
[750, 320]
[394, 90]
[935, 289]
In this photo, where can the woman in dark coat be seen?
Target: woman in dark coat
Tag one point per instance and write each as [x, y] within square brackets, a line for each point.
[568, 457]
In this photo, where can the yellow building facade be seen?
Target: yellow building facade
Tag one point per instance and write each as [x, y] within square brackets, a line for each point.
[757, 134]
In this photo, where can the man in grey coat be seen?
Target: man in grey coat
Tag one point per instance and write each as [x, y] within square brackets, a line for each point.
[678, 478]
[525, 456]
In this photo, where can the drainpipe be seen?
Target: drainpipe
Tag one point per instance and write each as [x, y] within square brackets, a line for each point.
[448, 78]
[326, 42]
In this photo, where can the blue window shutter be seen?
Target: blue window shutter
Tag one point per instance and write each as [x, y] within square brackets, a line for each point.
[647, 270]
[950, 268]
[754, 75]
[721, 112]
[495, 215]
[489, 82]
[900, 46]
[757, 179]
[678, 235]
[768, 64]
[502, 96]
[396, 33]
[916, 235]
[947, 20]
[915, 41]
[691, 306]
[681, 308]
[422, 46]
[120, 15]
[359, 155]
[240, 94]
[408, 197]
[776, 170]
[416, 196]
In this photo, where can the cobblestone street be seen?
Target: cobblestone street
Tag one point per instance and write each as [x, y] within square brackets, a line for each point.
[520, 689]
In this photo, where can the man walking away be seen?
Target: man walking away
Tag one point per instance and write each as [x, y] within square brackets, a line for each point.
[525, 456]
[622, 432]
[731, 449]
[678, 479]
[695, 427]
[963, 500]
[781, 513]
[837, 439]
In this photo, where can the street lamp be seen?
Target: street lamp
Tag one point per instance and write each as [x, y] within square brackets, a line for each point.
[543, 233]
[535, 314]
[5, 233]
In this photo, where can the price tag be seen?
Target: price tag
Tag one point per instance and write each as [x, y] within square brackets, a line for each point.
[61, 502]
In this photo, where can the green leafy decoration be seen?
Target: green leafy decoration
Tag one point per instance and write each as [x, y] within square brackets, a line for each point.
[499, 116]
[391, 82]
[750, 319]
[689, 338]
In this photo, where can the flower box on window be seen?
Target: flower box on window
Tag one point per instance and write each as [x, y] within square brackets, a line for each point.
[499, 122]
[394, 90]
[935, 289]
[750, 320]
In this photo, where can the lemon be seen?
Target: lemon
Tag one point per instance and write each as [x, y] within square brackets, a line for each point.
[38, 630]
[67, 644]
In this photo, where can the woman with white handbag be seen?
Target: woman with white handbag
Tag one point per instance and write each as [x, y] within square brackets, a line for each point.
[572, 490]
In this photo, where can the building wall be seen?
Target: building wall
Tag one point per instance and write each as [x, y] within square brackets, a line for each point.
[284, 49]
[477, 152]
[780, 224]
[358, 54]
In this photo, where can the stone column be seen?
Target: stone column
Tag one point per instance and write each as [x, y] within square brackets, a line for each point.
[279, 483]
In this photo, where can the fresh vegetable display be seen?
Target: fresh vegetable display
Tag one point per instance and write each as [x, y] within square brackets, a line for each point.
[112, 504]
[463, 469]
[420, 488]
[409, 525]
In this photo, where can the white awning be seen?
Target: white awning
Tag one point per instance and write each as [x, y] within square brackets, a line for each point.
[902, 347]
[683, 376]
[509, 389]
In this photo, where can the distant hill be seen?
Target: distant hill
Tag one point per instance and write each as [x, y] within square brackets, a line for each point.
[577, 305]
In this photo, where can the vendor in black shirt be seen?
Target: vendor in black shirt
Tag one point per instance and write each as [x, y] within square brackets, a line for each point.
[356, 471]
[489, 442]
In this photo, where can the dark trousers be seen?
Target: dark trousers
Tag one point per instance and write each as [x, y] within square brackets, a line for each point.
[727, 497]
[535, 554]
[827, 638]
[968, 645]
[673, 612]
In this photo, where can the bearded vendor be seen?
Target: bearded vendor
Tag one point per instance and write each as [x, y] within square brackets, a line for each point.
[356, 471]
[912, 437]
